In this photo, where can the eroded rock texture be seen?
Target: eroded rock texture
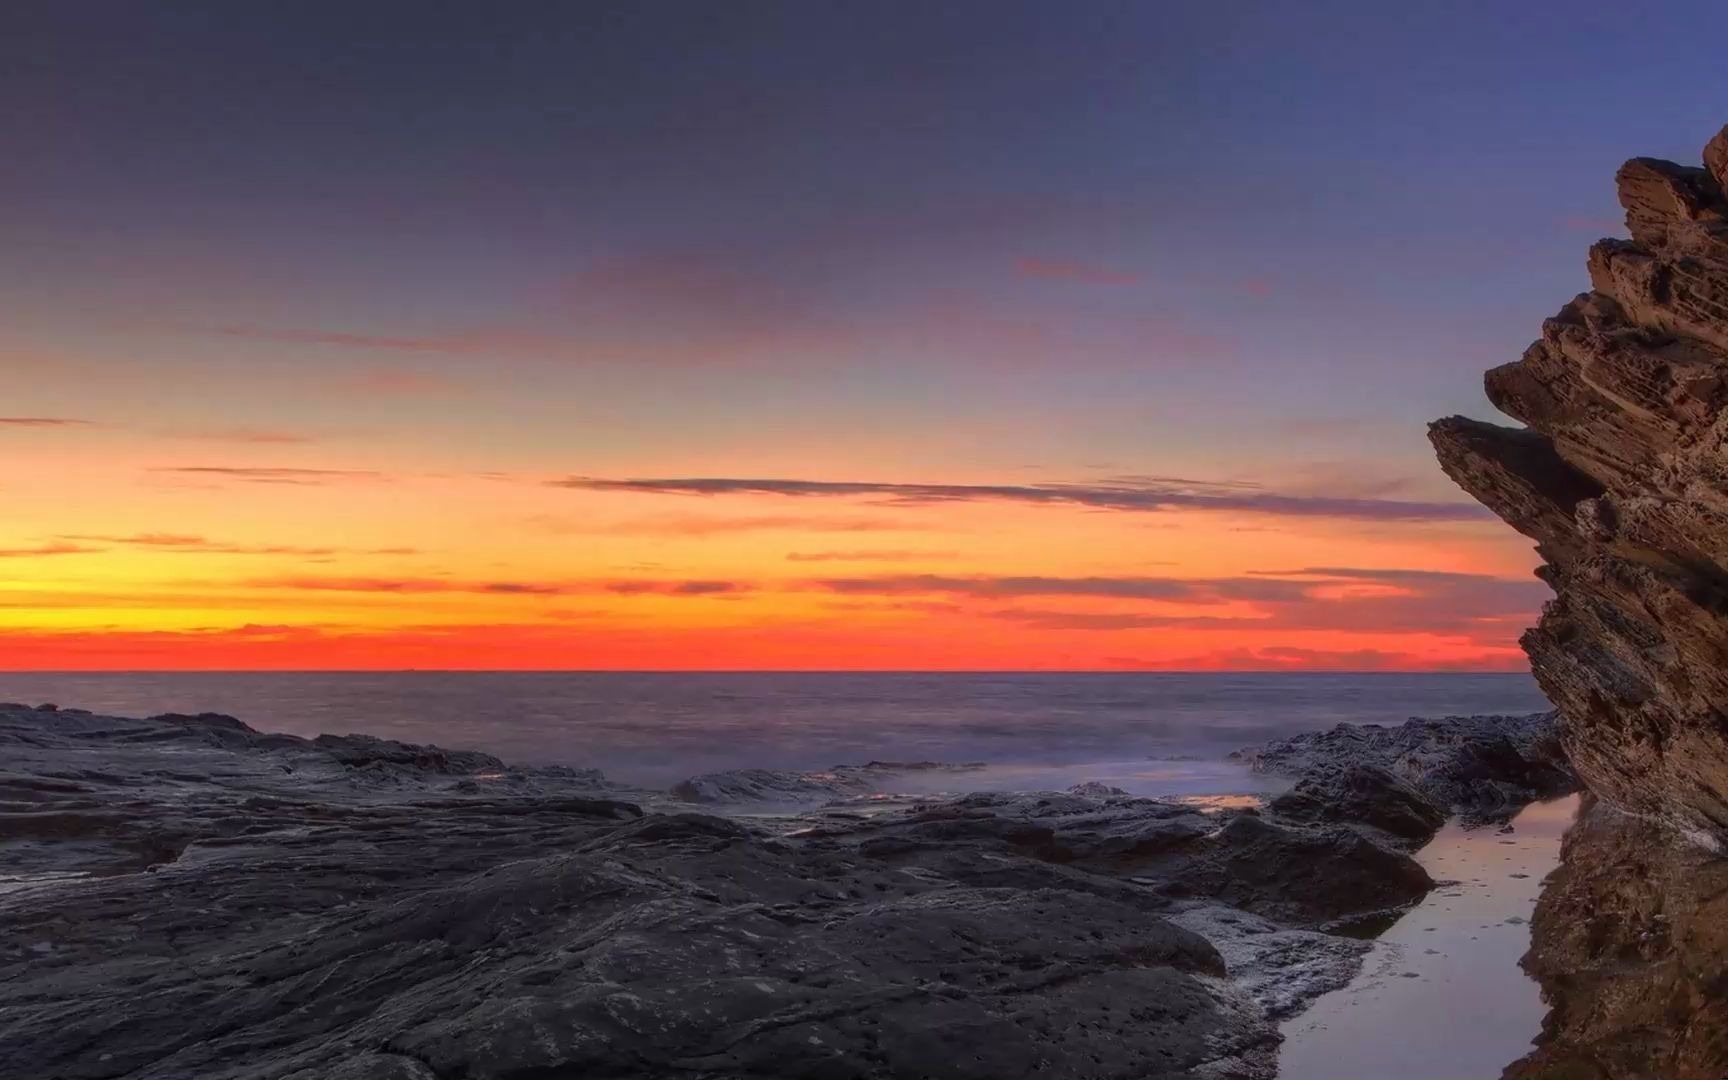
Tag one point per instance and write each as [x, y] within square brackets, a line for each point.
[1622, 480]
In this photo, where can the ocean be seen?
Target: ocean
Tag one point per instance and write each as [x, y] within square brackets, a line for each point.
[1152, 733]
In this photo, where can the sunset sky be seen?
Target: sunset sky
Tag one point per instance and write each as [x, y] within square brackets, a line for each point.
[788, 335]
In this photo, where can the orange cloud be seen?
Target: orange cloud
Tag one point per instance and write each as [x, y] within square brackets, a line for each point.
[700, 525]
[868, 555]
[1286, 658]
[200, 545]
[836, 645]
[57, 548]
[694, 587]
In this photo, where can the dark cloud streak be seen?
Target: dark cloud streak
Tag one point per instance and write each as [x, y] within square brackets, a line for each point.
[409, 586]
[1137, 495]
[1407, 601]
[257, 474]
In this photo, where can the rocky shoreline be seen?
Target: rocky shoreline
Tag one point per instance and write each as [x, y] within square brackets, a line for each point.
[184, 896]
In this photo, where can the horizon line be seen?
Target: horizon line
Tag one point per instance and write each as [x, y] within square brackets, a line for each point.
[760, 671]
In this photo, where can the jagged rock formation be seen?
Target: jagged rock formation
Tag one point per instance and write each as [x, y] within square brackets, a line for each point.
[1628, 942]
[1622, 480]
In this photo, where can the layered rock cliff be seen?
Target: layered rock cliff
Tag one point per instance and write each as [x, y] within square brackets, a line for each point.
[1621, 477]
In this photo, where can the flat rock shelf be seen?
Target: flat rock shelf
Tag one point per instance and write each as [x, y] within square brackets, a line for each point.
[184, 896]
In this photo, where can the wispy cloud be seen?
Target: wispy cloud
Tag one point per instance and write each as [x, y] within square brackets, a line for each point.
[698, 525]
[1358, 573]
[867, 555]
[1136, 494]
[1294, 658]
[193, 544]
[406, 585]
[243, 435]
[1073, 270]
[676, 588]
[1340, 599]
[42, 550]
[401, 382]
[704, 310]
[998, 587]
[259, 474]
[1106, 620]
[44, 422]
[342, 339]
[412, 585]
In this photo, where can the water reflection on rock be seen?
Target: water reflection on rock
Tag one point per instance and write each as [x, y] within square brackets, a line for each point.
[1630, 944]
[1445, 966]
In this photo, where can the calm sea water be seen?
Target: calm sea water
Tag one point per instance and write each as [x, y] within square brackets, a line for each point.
[1152, 733]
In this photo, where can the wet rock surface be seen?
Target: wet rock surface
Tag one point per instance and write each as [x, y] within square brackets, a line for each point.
[184, 896]
[1298, 874]
[785, 788]
[1620, 479]
[1405, 780]
[98, 794]
[1630, 944]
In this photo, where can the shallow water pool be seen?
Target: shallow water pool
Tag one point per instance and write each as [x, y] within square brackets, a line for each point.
[1442, 997]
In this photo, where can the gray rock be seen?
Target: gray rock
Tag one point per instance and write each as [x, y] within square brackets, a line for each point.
[1281, 969]
[301, 919]
[770, 787]
[187, 897]
[1096, 789]
[100, 794]
[1300, 875]
[783, 788]
[1366, 795]
[1484, 767]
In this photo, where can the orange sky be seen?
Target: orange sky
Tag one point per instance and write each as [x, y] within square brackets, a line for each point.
[315, 555]
[901, 339]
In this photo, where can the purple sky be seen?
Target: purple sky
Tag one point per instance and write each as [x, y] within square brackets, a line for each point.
[994, 243]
